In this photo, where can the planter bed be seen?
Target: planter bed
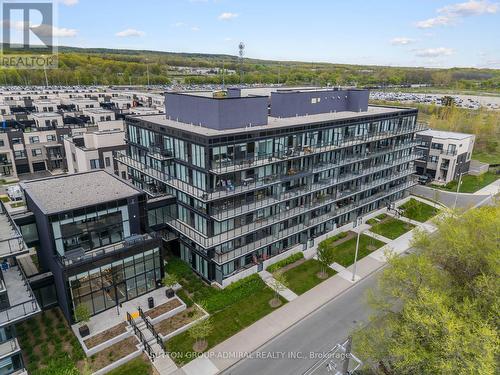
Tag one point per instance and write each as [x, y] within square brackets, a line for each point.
[345, 251]
[304, 277]
[163, 308]
[113, 353]
[178, 321]
[391, 228]
[105, 335]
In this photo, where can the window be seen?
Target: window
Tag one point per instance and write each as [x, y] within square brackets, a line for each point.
[35, 139]
[2, 143]
[433, 159]
[107, 161]
[16, 141]
[51, 138]
[94, 164]
[36, 152]
[19, 154]
[437, 146]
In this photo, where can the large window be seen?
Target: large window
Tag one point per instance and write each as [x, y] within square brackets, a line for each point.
[92, 230]
[105, 287]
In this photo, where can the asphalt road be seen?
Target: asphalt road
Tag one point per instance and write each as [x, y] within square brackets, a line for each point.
[448, 198]
[318, 333]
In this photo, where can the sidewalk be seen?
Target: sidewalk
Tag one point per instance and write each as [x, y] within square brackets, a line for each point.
[491, 189]
[229, 352]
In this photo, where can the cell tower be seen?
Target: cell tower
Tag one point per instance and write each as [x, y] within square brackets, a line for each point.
[241, 48]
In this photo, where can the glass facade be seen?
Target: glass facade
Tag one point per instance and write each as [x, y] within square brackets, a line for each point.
[92, 229]
[104, 287]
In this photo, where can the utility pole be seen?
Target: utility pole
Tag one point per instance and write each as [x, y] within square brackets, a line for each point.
[359, 221]
[458, 189]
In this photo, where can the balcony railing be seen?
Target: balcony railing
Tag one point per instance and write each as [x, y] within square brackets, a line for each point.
[208, 195]
[12, 242]
[449, 152]
[227, 212]
[223, 257]
[79, 257]
[219, 239]
[227, 166]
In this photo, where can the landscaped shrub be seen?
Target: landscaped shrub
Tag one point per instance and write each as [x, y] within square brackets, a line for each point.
[381, 216]
[371, 221]
[285, 262]
[183, 296]
[330, 240]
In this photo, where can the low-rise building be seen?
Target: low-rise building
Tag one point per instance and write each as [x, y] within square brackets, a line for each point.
[445, 155]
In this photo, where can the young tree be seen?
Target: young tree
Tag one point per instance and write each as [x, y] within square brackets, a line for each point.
[170, 280]
[199, 332]
[82, 314]
[279, 284]
[326, 257]
[436, 310]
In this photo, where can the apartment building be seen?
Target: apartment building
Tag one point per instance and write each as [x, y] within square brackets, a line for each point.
[97, 115]
[7, 167]
[17, 300]
[255, 176]
[445, 155]
[94, 148]
[94, 240]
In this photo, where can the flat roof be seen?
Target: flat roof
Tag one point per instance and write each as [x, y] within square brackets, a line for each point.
[46, 114]
[272, 123]
[97, 110]
[68, 192]
[444, 134]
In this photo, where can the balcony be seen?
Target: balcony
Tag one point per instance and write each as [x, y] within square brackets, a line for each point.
[22, 303]
[223, 257]
[9, 347]
[228, 165]
[449, 152]
[219, 239]
[160, 153]
[225, 213]
[79, 256]
[11, 240]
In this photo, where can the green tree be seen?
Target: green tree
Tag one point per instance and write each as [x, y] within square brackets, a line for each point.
[436, 310]
[82, 314]
[199, 332]
[326, 257]
[170, 280]
[278, 284]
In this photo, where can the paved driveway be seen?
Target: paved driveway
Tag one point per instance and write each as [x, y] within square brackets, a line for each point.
[464, 200]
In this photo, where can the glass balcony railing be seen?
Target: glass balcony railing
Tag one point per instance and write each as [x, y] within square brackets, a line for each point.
[208, 242]
[228, 165]
[223, 257]
[225, 211]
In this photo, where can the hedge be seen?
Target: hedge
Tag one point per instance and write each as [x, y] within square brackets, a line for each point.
[285, 262]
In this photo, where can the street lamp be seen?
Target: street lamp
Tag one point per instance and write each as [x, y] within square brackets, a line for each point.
[359, 221]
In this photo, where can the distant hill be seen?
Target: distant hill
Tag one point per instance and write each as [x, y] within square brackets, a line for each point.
[122, 66]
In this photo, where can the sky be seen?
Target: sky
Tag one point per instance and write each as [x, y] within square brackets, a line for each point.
[431, 33]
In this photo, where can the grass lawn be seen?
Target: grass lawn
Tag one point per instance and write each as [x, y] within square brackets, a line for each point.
[137, 366]
[470, 184]
[231, 309]
[303, 277]
[345, 252]
[391, 228]
[487, 157]
[417, 210]
[226, 322]
[48, 345]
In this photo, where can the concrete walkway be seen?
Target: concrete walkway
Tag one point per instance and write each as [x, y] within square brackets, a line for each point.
[377, 236]
[283, 291]
[242, 344]
[491, 189]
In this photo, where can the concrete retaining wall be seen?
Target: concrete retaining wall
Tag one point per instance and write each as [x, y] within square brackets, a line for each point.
[170, 313]
[185, 327]
[238, 276]
[120, 362]
[106, 344]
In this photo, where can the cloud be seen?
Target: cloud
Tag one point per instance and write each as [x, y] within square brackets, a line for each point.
[195, 28]
[130, 32]
[43, 29]
[436, 21]
[226, 16]
[401, 41]
[470, 8]
[178, 24]
[434, 52]
[452, 13]
[69, 2]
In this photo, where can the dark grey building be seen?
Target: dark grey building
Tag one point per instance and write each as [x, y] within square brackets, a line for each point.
[255, 176]
[93, 237]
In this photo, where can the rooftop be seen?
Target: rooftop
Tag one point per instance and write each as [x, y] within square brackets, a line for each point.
[98, 111]
[46, 114]
[273, 122]
[445, 135]
[69, 192]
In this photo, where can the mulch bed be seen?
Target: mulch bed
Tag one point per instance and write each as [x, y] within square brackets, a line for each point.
[106, 335]
[162, 309]
[113, 353]
[178, 320]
